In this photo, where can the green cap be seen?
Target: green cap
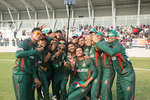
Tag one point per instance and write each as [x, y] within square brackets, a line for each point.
[61, 42]
[111, 34]
[99, 33]
[93, 30]
[46, 31]
[75, 35]
[114, 32]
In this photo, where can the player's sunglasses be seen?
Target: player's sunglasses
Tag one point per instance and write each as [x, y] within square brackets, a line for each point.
[38, 33]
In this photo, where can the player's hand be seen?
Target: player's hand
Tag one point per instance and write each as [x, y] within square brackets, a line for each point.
[47, 57]
[97, 48]
[43, 68]
[42, 26]
[37, 82]
[65, 63]
[57, 53]
[52, 35]
[53, 47]
[95, 39]
[40, 49]
[86, 57]
[60, 49]
[49, 46]
[49, 54]
[72, 62]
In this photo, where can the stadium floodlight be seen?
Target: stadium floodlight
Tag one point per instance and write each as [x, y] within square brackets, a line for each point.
[68, 4]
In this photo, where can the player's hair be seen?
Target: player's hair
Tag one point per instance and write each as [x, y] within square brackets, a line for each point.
[70, 43]
[62, 40]
[36, 29]
[59, 31]
[50, 31]
[81, 48]
[91, 32]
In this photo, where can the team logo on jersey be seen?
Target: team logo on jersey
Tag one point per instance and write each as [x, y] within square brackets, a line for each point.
[39, 62]
[113, 58]
[32, 57]
[92, 55]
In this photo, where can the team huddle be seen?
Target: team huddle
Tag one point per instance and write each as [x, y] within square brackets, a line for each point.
[88, 63]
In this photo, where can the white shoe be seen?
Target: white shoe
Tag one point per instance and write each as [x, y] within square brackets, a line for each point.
[54, 97]
[99, 99]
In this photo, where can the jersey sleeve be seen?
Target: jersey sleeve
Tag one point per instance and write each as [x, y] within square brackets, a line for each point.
[34, 72]
[110, 51]
[23, 51]
[36, 66]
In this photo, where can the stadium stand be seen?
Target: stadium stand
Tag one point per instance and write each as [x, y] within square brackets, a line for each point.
[17, 17]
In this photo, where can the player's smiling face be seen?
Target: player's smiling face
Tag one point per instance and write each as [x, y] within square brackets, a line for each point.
[81, 42]
[42, 43]
[75, 40]
[88, 40]
[111, 37]
[37, 35]
[79, 52]
[61, 44]
[71, 48]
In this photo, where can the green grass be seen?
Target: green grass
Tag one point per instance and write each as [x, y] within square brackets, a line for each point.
[140, 62]
[7, 55]
[142, 86]
[7, 92]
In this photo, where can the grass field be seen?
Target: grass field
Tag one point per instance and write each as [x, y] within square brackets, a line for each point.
[7, 63]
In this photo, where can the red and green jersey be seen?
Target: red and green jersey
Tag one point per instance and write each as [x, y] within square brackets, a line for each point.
[94, 54]
[85, 69]
[117, 55]
[41, 58]
[58, 62]
[26, 58]
[90, 51]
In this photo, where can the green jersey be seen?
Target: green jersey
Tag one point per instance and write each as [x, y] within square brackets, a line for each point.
[25, 63]
[85, 69]
[116, 51]
[94, 55]
[90, 51]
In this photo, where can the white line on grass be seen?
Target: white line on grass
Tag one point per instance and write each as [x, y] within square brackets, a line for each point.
[142, 69]
[6, 60]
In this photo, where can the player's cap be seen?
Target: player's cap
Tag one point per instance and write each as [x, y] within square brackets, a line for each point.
[93, 30]
[113, 32]
[75, 36]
